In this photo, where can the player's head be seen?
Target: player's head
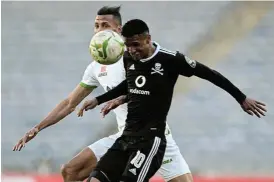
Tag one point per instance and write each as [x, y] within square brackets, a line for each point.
[137, 39]
[108, 18]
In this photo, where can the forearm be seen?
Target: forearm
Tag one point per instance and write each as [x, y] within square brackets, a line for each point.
[126, 98]
[219, 80]
[121, 89]
[123, 99]
[61, 111]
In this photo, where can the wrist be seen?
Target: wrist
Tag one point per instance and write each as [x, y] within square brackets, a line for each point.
[96, 101]
[99, 100]
[239, 96]
[38, 128]
[242, 99]
[122, 99]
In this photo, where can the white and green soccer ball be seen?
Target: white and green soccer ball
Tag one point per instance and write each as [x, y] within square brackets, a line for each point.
[106, 47]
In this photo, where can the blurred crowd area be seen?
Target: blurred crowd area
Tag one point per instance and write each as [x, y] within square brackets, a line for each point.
[45, 53]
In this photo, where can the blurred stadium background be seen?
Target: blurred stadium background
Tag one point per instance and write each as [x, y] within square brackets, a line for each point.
[45, 52]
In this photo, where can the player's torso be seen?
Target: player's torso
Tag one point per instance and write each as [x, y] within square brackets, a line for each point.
[109, 76]
[150, 87]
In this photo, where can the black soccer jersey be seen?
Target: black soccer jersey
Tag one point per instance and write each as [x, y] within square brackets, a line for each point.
[150, 88]
[149, 84]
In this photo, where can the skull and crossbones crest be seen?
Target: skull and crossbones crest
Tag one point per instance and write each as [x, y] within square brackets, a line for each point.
[157, 69]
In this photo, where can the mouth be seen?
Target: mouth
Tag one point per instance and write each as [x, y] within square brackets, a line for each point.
[136, 55]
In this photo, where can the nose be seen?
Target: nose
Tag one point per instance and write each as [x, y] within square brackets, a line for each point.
[100, 29]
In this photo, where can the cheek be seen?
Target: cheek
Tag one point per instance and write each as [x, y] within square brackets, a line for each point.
[116, 30]
[97, 29]
[140, 50]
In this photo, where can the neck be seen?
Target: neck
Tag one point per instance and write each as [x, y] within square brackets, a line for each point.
[151, 50]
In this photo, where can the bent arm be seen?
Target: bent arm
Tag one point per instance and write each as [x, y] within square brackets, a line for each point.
[119, 90]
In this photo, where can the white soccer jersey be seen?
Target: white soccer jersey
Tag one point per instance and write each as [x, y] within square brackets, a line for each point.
[108, 76]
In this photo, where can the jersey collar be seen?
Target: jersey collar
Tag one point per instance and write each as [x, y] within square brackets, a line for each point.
[154, 54]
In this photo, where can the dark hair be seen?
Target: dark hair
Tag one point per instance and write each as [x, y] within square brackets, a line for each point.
[134, 27]
[114, 10]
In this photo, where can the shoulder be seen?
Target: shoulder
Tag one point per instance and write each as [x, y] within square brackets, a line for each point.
[172, 54]
[167, 52]
[168, 56]
[90, 67]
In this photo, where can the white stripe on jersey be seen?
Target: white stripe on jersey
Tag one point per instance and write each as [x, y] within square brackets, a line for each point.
[173, 53]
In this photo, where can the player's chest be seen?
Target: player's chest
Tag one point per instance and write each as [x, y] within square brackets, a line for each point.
[148, 75]
[110, 76]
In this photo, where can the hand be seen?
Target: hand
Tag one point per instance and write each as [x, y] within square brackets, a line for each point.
[251, 107]
[88, 105]
[27, 137]
[112, 105]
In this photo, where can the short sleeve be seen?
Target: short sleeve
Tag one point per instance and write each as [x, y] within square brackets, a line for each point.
[88, 79]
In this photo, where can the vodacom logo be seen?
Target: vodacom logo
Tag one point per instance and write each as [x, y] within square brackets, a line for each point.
[140, 81]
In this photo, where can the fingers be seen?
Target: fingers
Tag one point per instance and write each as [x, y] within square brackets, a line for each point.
[260, 103]
[255, 107]
[18, 146]
[249, 112]
[108, 107]
[87, 106]
[256, 113]
[82, 109]
[27, 137]
[105, 110]
[80, 112]
[260, 111]
[259, 106]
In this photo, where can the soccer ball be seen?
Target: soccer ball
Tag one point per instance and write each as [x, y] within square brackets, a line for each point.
[106, 47]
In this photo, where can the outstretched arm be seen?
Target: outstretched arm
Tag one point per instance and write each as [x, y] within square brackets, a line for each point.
[219, 80]
[188, 67]
[63, 109]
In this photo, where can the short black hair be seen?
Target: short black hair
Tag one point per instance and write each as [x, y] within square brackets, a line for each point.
[134, 27]
[114, 10]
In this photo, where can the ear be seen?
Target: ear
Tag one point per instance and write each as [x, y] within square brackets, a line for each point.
[148, 39]
[119, 29]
